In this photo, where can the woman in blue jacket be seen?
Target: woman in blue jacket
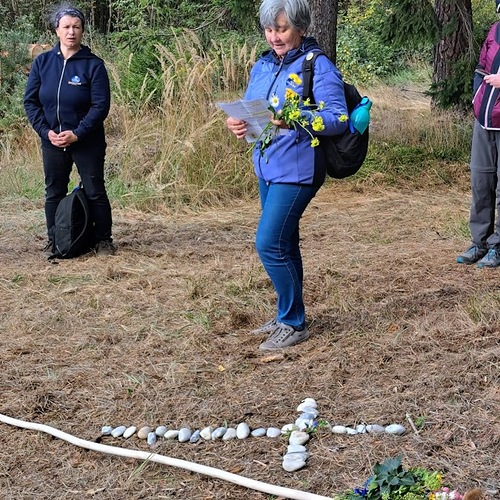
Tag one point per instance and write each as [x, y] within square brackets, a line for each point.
[290, 171]
[67, 99]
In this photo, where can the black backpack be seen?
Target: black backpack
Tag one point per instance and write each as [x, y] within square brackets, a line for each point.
[73, 231]
[346, 152]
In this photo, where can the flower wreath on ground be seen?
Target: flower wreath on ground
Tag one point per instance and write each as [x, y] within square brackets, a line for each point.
[390, 481]
[296, 113]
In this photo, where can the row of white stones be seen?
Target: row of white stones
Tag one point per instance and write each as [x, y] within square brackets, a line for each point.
[183, 435]
[298, 433]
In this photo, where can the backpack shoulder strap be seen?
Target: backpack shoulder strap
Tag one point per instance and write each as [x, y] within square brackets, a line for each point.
[308, 74]
[495, 65]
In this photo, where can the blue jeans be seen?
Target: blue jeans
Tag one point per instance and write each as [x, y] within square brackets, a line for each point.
[89, 160]
[277, 243]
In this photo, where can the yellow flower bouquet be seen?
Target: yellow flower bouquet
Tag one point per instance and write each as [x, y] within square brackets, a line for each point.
[296, 113]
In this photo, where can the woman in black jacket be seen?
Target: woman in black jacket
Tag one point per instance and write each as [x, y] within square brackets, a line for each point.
[67, 99]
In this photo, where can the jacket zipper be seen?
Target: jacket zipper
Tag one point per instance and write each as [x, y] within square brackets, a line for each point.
[274, 81]
[489, 109]
[58, 96]
[267, 99]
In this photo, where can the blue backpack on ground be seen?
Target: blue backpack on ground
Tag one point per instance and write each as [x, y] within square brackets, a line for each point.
[73, 231]
[345, 152]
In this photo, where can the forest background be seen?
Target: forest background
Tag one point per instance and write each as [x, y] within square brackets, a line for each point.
[171, 61]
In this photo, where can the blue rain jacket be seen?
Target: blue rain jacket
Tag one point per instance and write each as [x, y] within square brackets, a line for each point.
[290, 159]
[72, 94]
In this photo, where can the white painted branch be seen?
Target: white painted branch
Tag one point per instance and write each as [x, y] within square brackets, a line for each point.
[174, 462]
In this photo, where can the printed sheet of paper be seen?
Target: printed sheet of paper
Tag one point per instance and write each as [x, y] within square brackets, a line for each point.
[254, 112]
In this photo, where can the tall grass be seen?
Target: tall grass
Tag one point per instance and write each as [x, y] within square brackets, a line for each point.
[412, 142]
[181, 145]
[169, 147]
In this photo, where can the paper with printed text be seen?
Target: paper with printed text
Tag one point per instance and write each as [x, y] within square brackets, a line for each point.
[254, 112]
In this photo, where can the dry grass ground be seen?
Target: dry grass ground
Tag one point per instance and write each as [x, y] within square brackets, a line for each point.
[158, 334]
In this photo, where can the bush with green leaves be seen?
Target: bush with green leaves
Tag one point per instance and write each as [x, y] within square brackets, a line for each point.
[361, 54]
[14, 68]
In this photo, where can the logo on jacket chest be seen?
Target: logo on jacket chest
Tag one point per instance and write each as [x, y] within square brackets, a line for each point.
[75, 80]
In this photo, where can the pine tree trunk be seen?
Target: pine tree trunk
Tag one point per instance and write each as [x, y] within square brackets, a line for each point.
[100, 15]
[455, 22]
[324, 25]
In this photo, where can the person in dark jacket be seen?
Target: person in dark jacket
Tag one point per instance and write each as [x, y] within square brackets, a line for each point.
[67, 99]
[291, 170]
[485, 158]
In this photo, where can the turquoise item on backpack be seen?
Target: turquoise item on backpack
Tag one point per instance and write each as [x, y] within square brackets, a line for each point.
[360, 116]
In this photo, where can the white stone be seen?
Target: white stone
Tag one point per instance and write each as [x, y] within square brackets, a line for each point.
[118, 431]
[309, 409]
[160, 430]
[309, 402]
[184, 435]
[339, 429]
[219, 432]
[129, 432]
[230, 434]
[351, 431]
[258, 432]
[308, 416]
[242, 431]
[303, 424]
[296, 448]
[106, 430]
[195, 437]
[273, 432]
[288, 428]
[361, 428]
[151, 439]
[375, 429]
[171, 434]
[293, 462]
[298, 455]
[298, 437]
[206, 433]
[397, 429]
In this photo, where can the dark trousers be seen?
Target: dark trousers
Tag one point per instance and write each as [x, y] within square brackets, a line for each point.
[485, 186]
[89, 160]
